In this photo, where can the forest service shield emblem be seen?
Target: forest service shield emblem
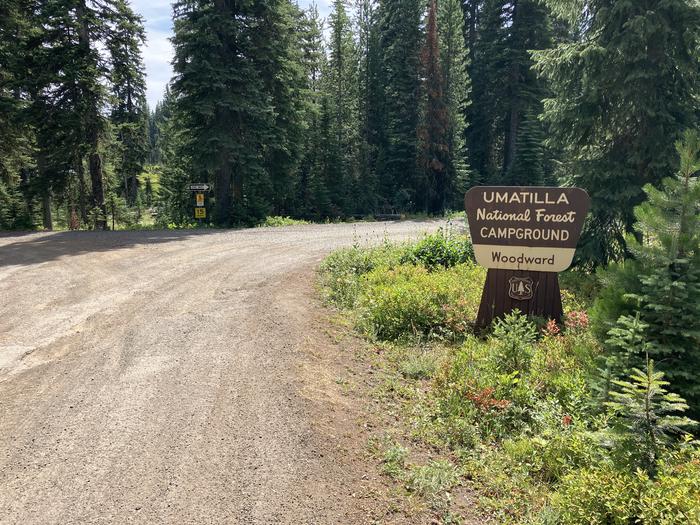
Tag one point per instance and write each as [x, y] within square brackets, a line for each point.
[521, 288]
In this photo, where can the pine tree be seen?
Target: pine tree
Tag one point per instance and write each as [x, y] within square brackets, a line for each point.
[16, 136]
[401, 40]
[434, 129]
[506, 93]
[662, 281]
[622, 94]
[369, 102]
[223, 104]
[129, 113]
[645, 416]
[279, 60]
[454, 59]
[311, 193]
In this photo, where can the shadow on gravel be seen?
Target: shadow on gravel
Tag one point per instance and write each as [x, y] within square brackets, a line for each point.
[36, 248]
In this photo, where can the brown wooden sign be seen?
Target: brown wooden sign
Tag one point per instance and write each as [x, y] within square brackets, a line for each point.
[524, 236]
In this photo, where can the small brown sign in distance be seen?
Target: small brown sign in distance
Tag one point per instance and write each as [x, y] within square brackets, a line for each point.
[524, 235]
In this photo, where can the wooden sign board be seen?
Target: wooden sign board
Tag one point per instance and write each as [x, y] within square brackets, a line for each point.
[524, 236]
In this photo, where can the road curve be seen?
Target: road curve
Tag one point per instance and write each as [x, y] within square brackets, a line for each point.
[153, 377]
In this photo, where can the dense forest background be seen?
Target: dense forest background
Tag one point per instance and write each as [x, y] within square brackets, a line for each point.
[386, 106]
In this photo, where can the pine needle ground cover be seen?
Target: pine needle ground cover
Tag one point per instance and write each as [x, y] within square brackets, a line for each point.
[520, 423]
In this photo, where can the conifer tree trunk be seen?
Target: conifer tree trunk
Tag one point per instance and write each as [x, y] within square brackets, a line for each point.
[223, 193]
[82, 197]
[433, 130]
[92, 128]
[46, 210]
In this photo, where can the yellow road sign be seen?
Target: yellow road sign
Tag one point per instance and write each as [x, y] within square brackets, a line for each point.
[200, 213]
[200, 200]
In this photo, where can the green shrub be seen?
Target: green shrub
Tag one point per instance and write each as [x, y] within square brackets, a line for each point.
[433, 480]
[420, 366]
[512, 342]
[277, 221]
[603, 495]
[341, 271]
[443, 249]
[408, 301]
[560, 368]
[393, 462]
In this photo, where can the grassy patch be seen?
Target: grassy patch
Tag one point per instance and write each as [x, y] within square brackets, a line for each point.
[517, 414]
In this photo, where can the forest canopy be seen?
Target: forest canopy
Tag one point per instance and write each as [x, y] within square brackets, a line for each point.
[383, 107]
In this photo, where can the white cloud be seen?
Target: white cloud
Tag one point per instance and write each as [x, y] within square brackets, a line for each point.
[158, 52]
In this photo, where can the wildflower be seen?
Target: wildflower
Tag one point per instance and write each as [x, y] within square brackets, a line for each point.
[551, 328]
[484, 400]
[576, 321]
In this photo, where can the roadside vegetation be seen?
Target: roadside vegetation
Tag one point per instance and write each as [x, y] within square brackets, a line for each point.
[580, 423]
[277, 221]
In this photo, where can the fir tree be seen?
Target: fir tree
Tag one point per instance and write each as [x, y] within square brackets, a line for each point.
[528, 167]
[484, 22]
[433, 133]
[401, 40]
[506, 94]
[174, 201]
[369, 104]
[279, 60]
[454, 59]
[224, 106]
[669, 224]
[528, 29]
[129, 113]
[91, 97]
[662, 281]
[645, 416]
[16, 135]
[341, 89]
[312, 196]
[622, 94]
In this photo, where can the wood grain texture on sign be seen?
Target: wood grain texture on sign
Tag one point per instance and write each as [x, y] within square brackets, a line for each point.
[497, 302]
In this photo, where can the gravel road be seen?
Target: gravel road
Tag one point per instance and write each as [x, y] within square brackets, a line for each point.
[158, 377]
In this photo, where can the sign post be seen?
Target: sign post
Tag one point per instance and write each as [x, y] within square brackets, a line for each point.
[524, 236]
[200, 211]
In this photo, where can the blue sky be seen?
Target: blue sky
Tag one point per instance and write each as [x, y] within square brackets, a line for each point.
[158, 52]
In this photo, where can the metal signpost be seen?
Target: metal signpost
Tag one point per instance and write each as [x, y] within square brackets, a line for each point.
[524, 236]
[200, 211]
